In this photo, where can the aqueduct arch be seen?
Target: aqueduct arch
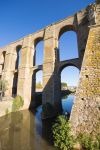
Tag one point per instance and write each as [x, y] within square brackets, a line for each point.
[66, 28]
[18, 56]
[60, 72]
[62, 66]
[33, 87]
[86, 20]
[37, 41]
[68, 47]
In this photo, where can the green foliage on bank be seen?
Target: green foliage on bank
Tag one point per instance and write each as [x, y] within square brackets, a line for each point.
[39, 85]
[63, 85]
[65, 141]
[62, 135]
[18, 102]
[3, 85]
[88, 142]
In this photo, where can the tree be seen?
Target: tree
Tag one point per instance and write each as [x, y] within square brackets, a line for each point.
[98, 1]
[39, 85]
[64, 85]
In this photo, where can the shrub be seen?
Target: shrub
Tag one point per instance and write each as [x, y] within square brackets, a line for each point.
[3, 86]
[39, 85]
[88, 142]
[64, 85]
[18, 102]
[62, 135]
[65, 141]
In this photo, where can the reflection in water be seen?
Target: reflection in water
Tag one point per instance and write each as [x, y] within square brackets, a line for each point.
[67, 102]
[26, 131]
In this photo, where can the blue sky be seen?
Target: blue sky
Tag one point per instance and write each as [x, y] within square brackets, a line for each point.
[68, 46]
[68, 50]
[70, 75]
[19, 18]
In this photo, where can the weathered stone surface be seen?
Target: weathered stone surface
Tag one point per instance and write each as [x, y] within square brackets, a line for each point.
[85, 112]
[85, 116]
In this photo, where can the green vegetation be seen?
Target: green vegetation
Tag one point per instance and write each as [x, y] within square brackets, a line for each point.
[88, 142]
[3, 87]
[65, 141]
[64, 85]
[18, 102]
[39, 85]
[98, 1]
[65, 97]
[62, 135]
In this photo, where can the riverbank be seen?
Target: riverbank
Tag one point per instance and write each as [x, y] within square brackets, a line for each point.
[6, 106]
[10, 104]
[7, 102]
[27, 128]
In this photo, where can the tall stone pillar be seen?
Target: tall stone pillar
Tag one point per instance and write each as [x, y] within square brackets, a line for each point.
[8, 71]
[50, 86]
[86, 111]
[0, 69]
[25, 73]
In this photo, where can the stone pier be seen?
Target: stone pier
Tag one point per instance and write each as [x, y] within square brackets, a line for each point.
[18, 67]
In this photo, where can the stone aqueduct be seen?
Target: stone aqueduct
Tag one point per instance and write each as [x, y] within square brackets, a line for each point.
[86, 24]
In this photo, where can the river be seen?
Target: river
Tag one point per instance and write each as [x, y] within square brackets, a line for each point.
[25, 130]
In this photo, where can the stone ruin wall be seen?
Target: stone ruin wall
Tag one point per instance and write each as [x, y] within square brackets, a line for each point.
[84, 114]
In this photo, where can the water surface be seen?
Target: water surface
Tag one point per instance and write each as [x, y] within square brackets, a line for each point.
[67, 103]
[26, 131]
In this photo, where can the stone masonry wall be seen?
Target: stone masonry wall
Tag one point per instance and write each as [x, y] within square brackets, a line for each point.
[87, 96]
[85, 116]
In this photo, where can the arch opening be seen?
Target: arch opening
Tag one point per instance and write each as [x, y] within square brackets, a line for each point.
[39, 81]
[38, 53]
[70, 74]
[69, 79]
[66, 29]
[14, 87]
[68, 47]
[4, 54]
[18, 59]
[37, 87]
[0, 77]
